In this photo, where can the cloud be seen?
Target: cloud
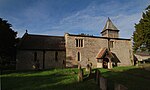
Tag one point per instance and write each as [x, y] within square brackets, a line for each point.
[51, 17]
[125, 23]
[90, 22]
[34, 18]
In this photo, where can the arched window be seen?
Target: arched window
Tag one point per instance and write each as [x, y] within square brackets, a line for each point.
[56, 56]
[78, 56]
[35, 56]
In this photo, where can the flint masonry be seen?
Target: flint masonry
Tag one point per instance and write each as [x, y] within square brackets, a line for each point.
[71, 50]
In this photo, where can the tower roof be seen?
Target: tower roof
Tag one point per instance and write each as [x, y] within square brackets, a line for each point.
[109, 25]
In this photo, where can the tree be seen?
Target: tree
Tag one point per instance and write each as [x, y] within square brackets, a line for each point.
[7, 41]
[141, 36]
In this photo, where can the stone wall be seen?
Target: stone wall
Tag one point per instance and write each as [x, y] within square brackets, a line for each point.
[113, 34]
[50, 61]
[25, 59]
[110, 33]
[121, 48]
[88, 52]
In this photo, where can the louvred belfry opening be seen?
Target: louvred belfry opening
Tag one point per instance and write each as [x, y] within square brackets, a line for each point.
[110, 30]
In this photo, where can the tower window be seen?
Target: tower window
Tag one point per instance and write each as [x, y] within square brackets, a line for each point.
[78, 56]
[79, 42]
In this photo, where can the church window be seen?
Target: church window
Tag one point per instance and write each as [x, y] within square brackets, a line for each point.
[78, 56]
[76, 42]
[111, 44]
[56, 56]
[79, 42]
[35, 56]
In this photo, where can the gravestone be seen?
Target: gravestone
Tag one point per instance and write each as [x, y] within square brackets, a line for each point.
[79, 66]
[80, 75]
[120, 87]
[103, 83]
[88, 68]
[147, 68]
[97, 77]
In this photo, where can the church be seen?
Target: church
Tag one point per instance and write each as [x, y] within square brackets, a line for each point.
[70, 50]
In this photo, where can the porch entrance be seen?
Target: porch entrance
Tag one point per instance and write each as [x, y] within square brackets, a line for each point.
[105, 62]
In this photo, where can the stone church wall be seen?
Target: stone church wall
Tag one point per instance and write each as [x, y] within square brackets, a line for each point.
[25, 59]
[123, 50]
[88, 52]
[50, 59]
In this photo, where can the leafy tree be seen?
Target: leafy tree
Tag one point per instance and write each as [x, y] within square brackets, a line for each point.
[7, 42]
[141, 36]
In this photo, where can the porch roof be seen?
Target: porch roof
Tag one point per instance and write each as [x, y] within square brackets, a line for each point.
[102, 52]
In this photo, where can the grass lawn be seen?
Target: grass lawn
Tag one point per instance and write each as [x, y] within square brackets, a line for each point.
[132, 77]
[54, 79]
[66, 79]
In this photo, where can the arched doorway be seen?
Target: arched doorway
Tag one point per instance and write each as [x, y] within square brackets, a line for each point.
[105, 62]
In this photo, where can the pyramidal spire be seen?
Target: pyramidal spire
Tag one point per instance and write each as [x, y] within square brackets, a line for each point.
[110, 30]
[109, 25]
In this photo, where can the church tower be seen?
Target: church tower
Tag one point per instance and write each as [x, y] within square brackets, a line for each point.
[110, 30]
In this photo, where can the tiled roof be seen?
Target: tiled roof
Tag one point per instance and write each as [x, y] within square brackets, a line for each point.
[103, 52]
[109, 25]
[42, 42]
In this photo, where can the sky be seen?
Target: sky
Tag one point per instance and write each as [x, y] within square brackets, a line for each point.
[57, 17]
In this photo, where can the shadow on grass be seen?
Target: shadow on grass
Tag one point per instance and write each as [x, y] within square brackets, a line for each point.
[24, 71]
[45, 80]
[133, 79]
[66, 79]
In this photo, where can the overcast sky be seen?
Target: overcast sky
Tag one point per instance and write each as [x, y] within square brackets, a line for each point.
[56, 17]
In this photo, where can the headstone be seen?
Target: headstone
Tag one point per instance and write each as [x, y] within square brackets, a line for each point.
[90, 64]
[88, 68]
[97, 76]
[103, 83]
[120, 87]
[80, 75]
[79, 66]
[147, 67]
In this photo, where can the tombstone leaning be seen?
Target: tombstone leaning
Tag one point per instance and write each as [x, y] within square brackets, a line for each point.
[95, 75]
[103, 83]
[80, 75]
[120, 87]
[98, 77]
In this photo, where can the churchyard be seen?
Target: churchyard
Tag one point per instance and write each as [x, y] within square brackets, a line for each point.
[132, 78]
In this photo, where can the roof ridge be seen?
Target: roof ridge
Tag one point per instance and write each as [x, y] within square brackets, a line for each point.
[43, 35]
[100, 37]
